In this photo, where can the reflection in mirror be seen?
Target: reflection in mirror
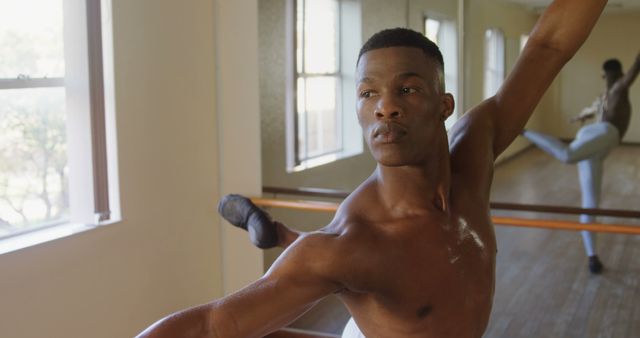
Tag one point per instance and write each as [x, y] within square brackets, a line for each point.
[541, 178]
[542, 273]
[576, 87]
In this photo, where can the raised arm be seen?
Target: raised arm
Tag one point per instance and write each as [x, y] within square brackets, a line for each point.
[295, 282]
[632, 73]
[559, 32]
[556, 37]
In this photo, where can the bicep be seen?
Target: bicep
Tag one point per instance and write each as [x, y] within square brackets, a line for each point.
[285, 292]
[264, 306]
[471, 146]
[296, 281]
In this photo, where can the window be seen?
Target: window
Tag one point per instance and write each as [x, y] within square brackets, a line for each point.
[53, 119]
[443, 32]
[322, 121]
[493, 61]
[523, 41]
[33, 156]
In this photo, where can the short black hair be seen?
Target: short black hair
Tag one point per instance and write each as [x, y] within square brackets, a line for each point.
[403, 37]
[612, 66]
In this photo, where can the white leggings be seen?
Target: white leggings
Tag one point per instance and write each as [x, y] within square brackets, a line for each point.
[351, 330]
[591, 146]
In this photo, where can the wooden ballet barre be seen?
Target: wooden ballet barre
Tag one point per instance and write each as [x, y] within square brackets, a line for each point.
[504, 221]
[304, 191]
[566, 225]
[554, 209]
[565, 210]
[297, 204]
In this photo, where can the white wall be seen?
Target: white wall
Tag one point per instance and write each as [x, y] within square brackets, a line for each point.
[239, 130]
[166, 253]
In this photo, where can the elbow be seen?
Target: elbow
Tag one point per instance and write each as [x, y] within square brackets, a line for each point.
[219, 324]
[551, 50]
[193, 323]
[558, 51]
[209, 328]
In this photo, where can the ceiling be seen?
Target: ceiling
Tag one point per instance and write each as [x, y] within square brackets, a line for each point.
[612, 6]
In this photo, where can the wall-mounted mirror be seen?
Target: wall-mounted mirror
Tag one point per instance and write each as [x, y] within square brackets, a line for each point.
[303, 146]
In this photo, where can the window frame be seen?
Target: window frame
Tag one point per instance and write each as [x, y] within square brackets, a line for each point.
[90, 109]
[350, 138]
[304, 75]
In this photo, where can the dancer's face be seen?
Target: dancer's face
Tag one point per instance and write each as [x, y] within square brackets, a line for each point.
[611, 77]
[401, 105]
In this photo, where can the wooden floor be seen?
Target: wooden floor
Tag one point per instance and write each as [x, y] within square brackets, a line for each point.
[543, 287]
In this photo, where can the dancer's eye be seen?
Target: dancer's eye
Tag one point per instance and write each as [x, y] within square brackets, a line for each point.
[407, 90]
[366, 94]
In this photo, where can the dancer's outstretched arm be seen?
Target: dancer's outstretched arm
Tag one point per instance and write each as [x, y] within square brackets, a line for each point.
[296, 281]
[632, 73]
[286, 235]
[588, 112]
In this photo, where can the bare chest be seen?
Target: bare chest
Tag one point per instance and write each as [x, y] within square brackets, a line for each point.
[617, 110]
[427, 276]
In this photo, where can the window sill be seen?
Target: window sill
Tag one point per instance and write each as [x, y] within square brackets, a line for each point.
[26, 240]
[325, 159]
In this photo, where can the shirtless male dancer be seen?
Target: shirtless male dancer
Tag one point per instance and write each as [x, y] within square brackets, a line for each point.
[594, 141]
[411, 252]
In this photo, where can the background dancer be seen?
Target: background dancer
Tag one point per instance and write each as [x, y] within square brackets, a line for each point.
[593, 142]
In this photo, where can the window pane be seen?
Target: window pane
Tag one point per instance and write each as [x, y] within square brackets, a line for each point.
[321, 36]
[431, 29]
[494, 61]
[323, 134]
[31, 39]
[299, 34]
[33, 158]
[301, 120]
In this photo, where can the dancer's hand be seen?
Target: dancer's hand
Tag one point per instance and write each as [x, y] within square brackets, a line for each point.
[580, 118]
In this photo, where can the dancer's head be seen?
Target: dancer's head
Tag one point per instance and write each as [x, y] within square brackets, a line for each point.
[612, 66]
[612, 70]
[401, 101]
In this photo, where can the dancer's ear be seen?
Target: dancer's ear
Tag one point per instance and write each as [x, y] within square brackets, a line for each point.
[448, 105]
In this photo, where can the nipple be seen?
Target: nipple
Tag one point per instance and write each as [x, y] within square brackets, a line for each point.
[424, 311]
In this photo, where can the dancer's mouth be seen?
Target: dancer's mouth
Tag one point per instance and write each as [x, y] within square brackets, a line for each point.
[388, 133]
